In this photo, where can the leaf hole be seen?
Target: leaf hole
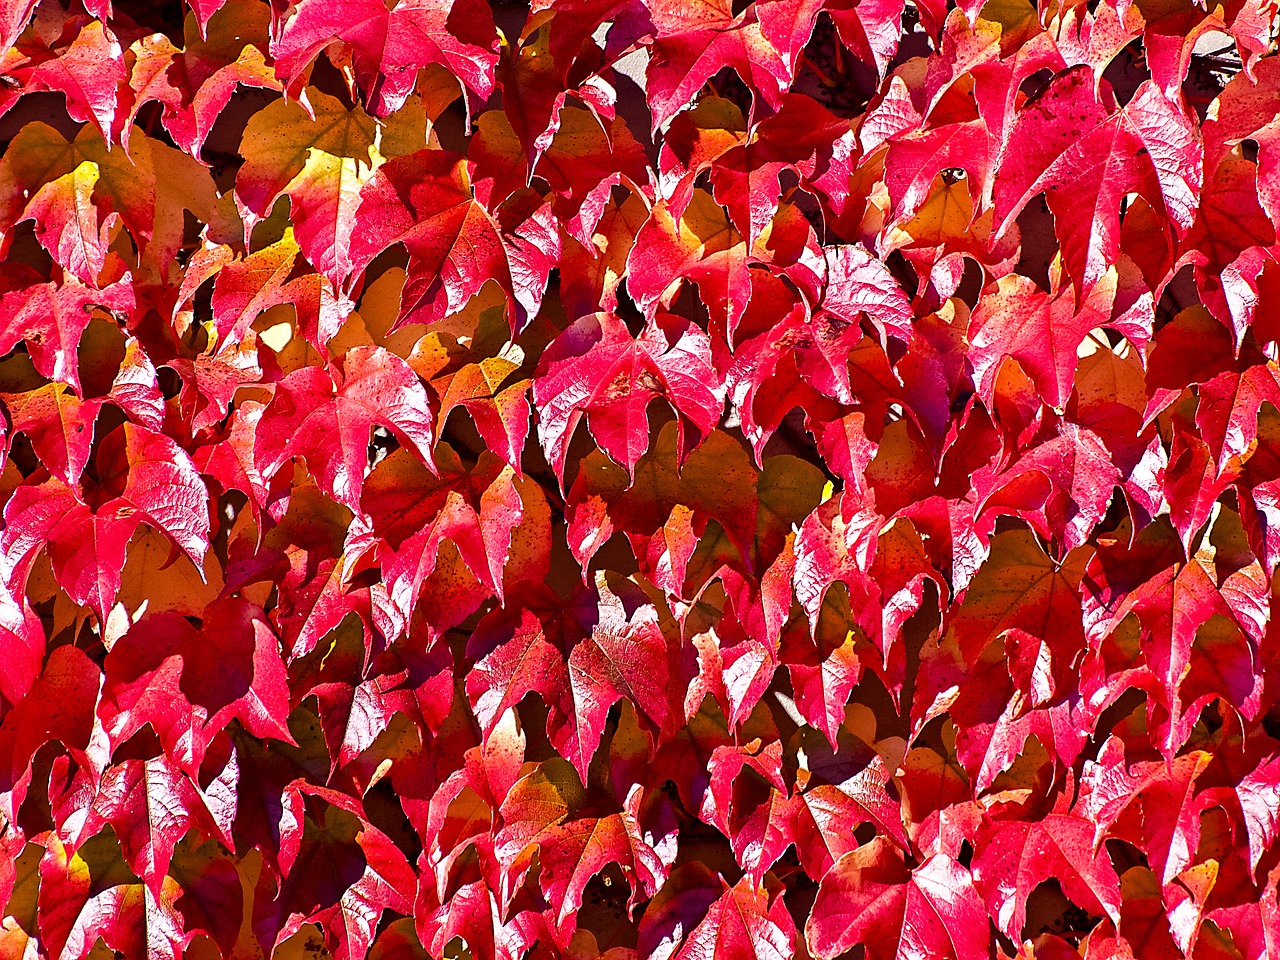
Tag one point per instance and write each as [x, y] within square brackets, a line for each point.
[1179, 294]
[221, 149]
[1035, 84]
[143, 745]
[1124, 855]
[630, 314]
[828, 73]
[1049, 910]
[382, 444]
[1126, 71]
[169, 381]
[1039, 242]
[970, 288]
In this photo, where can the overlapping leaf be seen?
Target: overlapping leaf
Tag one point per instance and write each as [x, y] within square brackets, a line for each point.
[928, 611]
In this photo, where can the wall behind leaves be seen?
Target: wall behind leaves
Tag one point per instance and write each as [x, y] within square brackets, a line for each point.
[639, 479]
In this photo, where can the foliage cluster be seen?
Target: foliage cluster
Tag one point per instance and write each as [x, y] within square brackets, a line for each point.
[639, 478]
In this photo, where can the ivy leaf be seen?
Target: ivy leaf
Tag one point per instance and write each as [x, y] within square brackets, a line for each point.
[572, 853]
[742, 923]
[859, 285]
[622, 658]
[1178, 663]
[1228, 411]
[1074, 144]
[60, 708]
[501, 414]
[69, 224]
[692, 45]
[88, 73]
[222, 50]
[1163, 796]
[190, 684]
[1246, 110]
[151, 208]
[91, 894]
[425, 201]
[1020, 587]
[59, 425]
[87, 547]
[1256, 792]
[151, 806]
[1042, 332]
[51, 318]
[870, 897]
[316, 413]
[320, 159]
[417, 513]
[391, 44]
[597, 369]
[514, 656]
[244, 289]
[1015, 857]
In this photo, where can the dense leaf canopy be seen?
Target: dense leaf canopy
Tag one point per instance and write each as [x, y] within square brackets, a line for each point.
[639, 479]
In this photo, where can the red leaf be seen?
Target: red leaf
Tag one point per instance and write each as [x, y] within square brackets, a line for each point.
[391, 44]
[59, 425]
[597, 369]
[83, 897]
[316, 413]
[1181, 667]
[742, 923]
[1072, 143]
[1247, 109]
[425, 201]
[190, 684]
[88, 73]
[869, 897]
[196, 83]
[1164, 797]
[51, 320]
[87, 547]
[1042, 332]
[572, 853]
[513, 657]
[1013, 858]
[692, 46]
[59, 707]
[151, 806]
[859, 285]
[70, 225]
